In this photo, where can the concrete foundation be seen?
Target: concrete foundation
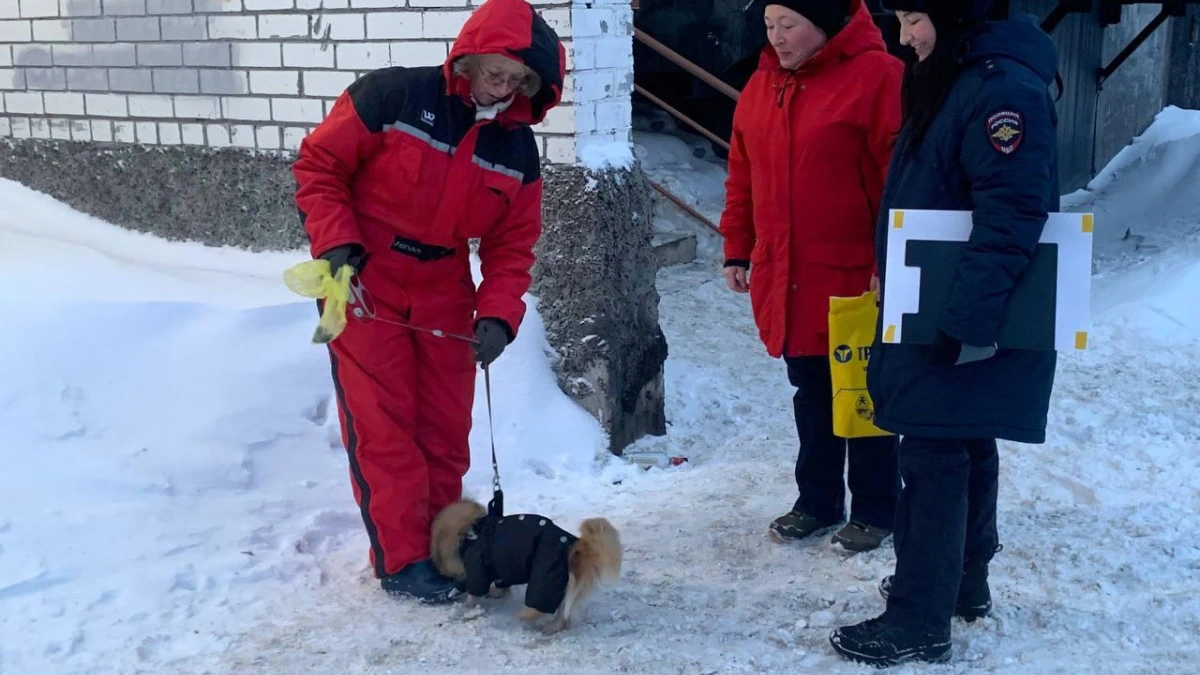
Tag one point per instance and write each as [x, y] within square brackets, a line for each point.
[182, 193]
[595, 278]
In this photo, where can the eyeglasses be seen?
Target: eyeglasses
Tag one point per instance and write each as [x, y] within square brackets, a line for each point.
[497, 78]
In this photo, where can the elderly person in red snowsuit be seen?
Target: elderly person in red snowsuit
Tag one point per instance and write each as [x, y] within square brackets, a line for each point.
[812, 137]
[408, 166]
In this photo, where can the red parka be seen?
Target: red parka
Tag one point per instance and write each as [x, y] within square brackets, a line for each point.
[809, 155]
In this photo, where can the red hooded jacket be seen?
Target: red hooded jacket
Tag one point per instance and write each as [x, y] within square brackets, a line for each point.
[808, 158]
[401, 161]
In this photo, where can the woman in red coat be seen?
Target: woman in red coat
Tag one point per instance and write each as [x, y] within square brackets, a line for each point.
[409, 165]
[812, 137]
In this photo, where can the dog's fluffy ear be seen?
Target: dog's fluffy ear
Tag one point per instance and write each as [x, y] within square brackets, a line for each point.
[450, 527]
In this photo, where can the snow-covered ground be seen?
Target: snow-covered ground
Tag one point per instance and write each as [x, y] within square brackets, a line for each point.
[174, 499]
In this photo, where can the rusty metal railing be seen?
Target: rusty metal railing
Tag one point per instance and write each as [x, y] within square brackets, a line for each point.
[685, 206]
[674, 57]
[706, 77]
[683, 118]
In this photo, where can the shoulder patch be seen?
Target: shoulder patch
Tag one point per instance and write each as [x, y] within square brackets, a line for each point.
[1005, 129]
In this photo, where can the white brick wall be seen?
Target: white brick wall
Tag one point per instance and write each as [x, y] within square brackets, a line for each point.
[261, 73]
[602, 75]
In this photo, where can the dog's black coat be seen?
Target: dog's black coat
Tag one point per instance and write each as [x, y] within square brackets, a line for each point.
[519, 549]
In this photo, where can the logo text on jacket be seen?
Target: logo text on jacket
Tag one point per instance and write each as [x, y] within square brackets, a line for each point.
[1005, 129]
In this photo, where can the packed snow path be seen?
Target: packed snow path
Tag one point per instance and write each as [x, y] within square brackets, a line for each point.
[1101, 571]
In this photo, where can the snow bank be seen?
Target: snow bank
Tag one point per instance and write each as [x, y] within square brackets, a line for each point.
[172, 461]
[1171, 125]
[1149, 190]
[75, 256]
[1147, 218]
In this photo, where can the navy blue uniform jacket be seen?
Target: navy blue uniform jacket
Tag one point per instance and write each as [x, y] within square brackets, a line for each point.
[971, 160]
[519, 549]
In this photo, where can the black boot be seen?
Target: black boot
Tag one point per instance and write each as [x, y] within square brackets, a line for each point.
[421, 581]
[875, 642]
[974, 597]
[796, 525]
[859, 537]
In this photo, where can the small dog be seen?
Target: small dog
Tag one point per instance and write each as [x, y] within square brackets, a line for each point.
[492, 553]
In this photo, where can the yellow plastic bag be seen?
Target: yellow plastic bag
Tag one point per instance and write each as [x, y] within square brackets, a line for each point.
[851, 333]
[313, 280]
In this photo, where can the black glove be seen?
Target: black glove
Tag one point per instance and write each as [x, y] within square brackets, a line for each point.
[492, 336]
[944, 351]
[347, 254]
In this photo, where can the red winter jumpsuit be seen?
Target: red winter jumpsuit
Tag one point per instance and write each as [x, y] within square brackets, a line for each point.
[402, 167]
[808, 158]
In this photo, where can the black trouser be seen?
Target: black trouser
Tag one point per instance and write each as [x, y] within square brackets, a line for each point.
[946, 518]
[821, 463]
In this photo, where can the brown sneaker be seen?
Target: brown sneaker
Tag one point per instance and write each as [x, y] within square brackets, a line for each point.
[797, 525]
[858, 537]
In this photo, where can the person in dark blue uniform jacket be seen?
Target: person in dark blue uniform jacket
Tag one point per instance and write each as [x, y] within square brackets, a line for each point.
[979, 135]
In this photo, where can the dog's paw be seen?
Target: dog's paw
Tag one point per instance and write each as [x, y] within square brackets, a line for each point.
[496, 593]
[554, 626]
[529, 614]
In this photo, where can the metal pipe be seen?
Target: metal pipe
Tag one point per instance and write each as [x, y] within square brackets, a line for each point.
[678, 60]
[1060, 12]
[684, 118]
[686, 207]
[1054, 18]
[1107, 71]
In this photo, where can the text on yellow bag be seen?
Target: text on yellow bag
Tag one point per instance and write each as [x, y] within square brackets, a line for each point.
[851, 333]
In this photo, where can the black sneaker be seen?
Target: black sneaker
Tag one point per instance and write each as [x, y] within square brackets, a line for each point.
[875, 642]
[796, 525]
[974, 597]
[421, 581]
[859, 537]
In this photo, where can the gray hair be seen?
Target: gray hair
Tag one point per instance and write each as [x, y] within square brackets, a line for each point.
[529, 88]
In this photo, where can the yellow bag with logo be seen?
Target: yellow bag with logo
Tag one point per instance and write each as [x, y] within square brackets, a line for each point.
[851, 333]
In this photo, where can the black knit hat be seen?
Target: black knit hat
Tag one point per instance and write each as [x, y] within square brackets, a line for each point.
[828, 15]
[954, 10]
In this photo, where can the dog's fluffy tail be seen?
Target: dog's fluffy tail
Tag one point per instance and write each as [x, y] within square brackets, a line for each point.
[597, 555]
